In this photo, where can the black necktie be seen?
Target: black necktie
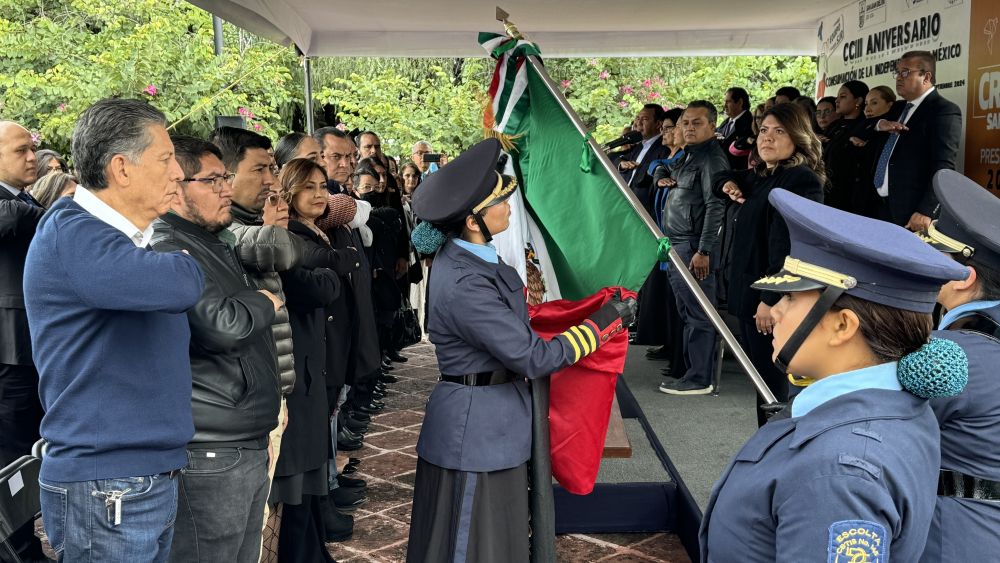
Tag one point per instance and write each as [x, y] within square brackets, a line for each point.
[26, 198]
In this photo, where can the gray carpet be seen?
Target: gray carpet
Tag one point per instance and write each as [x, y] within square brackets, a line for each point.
[642, 467]
[699, 433]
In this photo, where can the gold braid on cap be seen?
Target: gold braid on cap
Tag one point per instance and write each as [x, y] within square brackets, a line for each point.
[952, 245]
[499, 191]
[819, 273]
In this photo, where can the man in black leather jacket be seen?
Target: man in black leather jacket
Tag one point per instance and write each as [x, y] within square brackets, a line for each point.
[235, 387]
[692, 218]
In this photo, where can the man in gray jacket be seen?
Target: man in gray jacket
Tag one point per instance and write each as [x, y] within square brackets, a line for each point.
[692, 219]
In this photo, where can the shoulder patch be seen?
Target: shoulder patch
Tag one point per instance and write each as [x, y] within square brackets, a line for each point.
[857, 541]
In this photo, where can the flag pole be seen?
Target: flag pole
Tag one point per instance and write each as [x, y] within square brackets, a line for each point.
[675, 259]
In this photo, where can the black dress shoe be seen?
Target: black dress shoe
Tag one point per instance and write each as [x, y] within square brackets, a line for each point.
[369, 410]
[385, 377]
[337, 526]
[668, 372]
[352, 424]
[377, 404]
[348, 435]
[348, 445]
[387, 365]
[397, 357]
[348, 499]
[351, 483]
[658, 353]
[349, 470]
[359, 416]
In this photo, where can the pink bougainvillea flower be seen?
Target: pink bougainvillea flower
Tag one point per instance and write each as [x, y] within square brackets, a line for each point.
[647, 83]
[653, 95]
[36, 137]
[252, 116]
[243, 111]
[623, 104]
[150, 89]
[565, 84]
[61, 107]
[342, 126]
[592, 62]
[257, 127]
[627, 90]
[604, 75]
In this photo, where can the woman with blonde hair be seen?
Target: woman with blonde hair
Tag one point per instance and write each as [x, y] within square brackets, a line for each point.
[789, 156]
[53, 186]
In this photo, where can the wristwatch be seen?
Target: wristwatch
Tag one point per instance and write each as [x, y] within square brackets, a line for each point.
[704, 253]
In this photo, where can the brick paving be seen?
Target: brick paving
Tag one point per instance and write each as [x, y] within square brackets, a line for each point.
[389, 465]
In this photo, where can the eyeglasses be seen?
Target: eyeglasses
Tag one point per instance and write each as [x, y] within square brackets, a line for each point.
[273, 199]
[215, 181]
[904, 72]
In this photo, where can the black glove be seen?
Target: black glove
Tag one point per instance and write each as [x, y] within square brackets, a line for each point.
[626, 309]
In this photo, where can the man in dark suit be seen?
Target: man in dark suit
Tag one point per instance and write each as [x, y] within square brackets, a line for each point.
[20, 409]
[738, 125]
[634, 164]
[924, 135]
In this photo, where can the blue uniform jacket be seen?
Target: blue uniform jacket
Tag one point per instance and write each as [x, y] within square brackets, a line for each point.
[962, 529]
[478, 321]
[855, 476]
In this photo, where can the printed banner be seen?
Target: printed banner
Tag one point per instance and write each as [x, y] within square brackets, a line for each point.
[864, 40]
[982, 129]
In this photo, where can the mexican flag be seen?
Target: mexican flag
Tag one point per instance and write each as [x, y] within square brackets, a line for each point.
[590, 236]
[574, 228]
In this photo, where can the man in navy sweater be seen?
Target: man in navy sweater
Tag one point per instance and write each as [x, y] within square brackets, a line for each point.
[110, 340]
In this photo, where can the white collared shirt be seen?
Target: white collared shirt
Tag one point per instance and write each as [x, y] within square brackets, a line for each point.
[13, 191]
[730, 124]
[884, 189]
[646, 145]
[93, 205]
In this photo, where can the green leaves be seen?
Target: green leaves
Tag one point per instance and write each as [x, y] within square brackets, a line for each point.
[60, 57]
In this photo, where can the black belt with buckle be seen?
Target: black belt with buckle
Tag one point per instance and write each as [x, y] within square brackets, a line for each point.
[495, 377]
[959, 485]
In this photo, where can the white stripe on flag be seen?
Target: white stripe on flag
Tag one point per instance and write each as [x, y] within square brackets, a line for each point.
[493, 43]
[503, 80]
[516, 91]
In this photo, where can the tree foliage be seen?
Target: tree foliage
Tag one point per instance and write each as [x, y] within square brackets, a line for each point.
[59, 56]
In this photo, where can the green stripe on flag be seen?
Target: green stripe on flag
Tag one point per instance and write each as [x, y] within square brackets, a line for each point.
[594, 237]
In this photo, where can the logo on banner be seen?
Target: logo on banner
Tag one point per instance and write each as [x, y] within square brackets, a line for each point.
[990, 30]
[871, 12]
[910, 4]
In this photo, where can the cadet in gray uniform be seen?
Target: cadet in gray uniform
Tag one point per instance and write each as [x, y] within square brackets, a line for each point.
[966, 525]
[471, 492]
[851, 475]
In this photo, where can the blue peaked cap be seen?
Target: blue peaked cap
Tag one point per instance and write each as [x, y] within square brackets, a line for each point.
[873, 260]
[970, 219]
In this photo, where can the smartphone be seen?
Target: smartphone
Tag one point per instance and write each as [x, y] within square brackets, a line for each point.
[431, 157]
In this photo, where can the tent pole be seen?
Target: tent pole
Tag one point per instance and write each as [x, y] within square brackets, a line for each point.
[679, 266]
[307, 78]
[217, 29]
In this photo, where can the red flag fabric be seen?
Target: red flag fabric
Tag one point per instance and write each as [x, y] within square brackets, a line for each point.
[581, 394]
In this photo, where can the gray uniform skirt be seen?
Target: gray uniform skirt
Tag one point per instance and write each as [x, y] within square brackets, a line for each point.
[461, 517]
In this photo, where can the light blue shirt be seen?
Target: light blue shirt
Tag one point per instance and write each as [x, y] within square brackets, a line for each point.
[964, 311]
[486, 252]
[882, 376]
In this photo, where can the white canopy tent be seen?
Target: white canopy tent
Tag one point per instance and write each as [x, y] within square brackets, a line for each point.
[578, 28]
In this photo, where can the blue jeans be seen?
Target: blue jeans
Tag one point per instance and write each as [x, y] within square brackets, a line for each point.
[699, 333]
[81, 527]
[220, 509]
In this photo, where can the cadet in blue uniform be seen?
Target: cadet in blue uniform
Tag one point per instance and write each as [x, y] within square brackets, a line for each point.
[471, 492]
[851, 476]
[966, 525]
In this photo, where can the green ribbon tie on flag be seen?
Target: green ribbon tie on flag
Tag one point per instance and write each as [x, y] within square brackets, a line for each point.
[663, 249]
[586, 158]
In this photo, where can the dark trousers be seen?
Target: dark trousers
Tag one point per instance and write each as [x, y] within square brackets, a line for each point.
[20, 411]
[302, 532]
[759, 348]
[220, 506]
[699, 334]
